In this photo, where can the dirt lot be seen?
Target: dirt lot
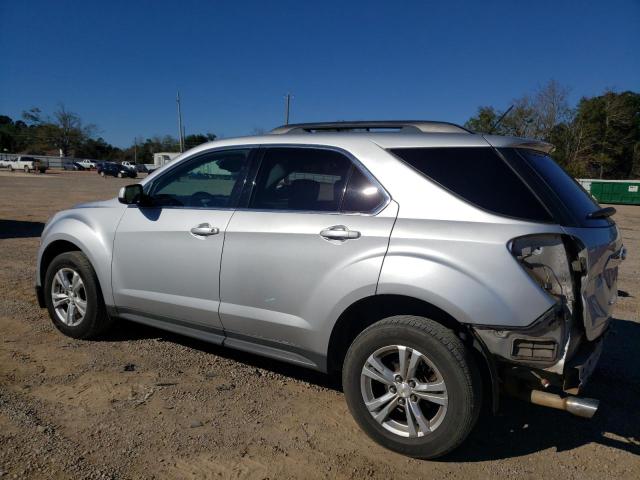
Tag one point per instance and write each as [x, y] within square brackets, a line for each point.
[186, 409]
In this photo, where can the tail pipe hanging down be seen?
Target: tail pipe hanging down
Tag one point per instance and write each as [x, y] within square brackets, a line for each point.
[581, 407]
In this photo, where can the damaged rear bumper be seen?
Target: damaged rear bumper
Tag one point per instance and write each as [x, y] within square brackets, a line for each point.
[545, 362]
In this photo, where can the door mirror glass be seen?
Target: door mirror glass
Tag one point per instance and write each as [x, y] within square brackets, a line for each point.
[131, 194]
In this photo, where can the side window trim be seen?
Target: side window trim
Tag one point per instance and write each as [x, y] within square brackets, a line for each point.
[256, 163]
[253, 149]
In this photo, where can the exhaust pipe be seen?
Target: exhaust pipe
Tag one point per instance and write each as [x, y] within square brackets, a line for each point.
[582, 407]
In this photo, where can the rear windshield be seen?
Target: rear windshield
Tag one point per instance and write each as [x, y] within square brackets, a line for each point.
[578, 203]
[480, 176]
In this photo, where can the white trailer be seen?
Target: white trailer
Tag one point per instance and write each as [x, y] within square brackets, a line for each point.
[162, 158]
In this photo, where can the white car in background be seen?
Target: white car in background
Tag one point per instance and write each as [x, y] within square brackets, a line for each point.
[129, 165]
[88, 164]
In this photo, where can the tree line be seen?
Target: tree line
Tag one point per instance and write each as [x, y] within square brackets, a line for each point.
[66, 133]
[598, 137]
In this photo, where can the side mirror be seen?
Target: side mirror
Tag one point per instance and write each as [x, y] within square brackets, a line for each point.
[131, 194]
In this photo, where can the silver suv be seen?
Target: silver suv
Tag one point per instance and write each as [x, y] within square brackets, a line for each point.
[431, 267]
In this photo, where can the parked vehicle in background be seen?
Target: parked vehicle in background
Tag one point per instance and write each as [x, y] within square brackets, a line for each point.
[87, 164]
[116, 170]
[142, 168]
[431, 267]
[4, 163]
[76, 166]
[28, 164]
[129, 164]
[162, 158]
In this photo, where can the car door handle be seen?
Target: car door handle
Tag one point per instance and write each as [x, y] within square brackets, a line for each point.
[204, 230]
[339, 232]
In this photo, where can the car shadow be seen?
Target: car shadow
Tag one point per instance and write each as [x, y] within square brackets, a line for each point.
[519, 428]
[20, 229]
[127, 330]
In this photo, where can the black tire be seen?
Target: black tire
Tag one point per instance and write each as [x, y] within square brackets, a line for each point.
[11, 168]
[26, 169]
[119, 174]
[96, 320]
[447, 353]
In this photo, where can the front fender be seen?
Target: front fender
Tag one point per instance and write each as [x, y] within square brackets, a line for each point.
[92, 231]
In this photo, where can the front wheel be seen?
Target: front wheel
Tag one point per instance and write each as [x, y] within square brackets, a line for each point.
[119, 174]
[26, 169]
[11, 168]
[412, 386]
[73, 297]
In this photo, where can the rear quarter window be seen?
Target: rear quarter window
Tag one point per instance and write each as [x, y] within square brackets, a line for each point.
[479, 176]
[575, 200]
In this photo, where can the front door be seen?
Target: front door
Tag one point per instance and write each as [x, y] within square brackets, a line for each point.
[166, 261]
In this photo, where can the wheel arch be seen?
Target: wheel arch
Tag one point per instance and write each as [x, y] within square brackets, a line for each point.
[62, 243]
[51, 251]
[369, 310]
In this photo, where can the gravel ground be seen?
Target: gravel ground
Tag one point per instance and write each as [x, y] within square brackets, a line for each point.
[147, 404]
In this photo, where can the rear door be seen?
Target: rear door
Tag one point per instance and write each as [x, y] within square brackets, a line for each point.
[310, 241]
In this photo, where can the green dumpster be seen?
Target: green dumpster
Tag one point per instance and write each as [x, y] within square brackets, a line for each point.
[613, 191]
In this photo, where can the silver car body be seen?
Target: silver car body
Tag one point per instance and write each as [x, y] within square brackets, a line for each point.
[270, 283]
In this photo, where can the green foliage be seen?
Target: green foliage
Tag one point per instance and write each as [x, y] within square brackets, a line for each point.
[191, 141]
[41, 135]
[599, 138]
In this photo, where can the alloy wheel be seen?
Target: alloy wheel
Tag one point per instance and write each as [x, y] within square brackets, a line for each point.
[69, 296]
[403, 391]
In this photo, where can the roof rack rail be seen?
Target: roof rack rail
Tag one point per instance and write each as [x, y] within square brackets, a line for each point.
[422, 126]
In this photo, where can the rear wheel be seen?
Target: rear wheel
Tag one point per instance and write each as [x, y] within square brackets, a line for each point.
[11, 168]
[26, 169]
[412, 386]
[119, 174]
[102, 174]
[73, 297]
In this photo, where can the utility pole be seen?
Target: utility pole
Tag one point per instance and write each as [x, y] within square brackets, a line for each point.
[135, 150]
[180, 130]
[288, 98]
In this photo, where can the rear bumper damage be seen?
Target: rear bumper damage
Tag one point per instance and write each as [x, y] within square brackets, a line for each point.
[547, 363]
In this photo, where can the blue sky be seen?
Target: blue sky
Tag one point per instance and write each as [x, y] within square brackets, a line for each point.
[119, 63]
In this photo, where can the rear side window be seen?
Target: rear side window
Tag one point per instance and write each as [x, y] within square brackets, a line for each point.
[574, 198]
[479, 176]
[306, 179]
[361, 195]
